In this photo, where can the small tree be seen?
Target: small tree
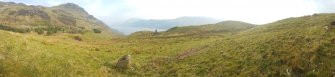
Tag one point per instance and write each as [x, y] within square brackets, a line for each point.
[156, 32]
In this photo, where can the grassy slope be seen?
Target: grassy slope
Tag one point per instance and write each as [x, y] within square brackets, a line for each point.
[65, 18]
[299, 45]
[296, 46]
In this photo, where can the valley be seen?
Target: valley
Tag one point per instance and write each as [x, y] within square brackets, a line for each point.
[292, 47]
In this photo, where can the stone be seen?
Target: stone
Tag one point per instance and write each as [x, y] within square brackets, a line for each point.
[33, 12]
[124, 62]
[332, 23]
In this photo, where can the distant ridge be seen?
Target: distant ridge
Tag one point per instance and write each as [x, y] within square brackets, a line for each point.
[164, 24]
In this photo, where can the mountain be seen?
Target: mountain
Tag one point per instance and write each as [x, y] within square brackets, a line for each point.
[225, 26]
[166, 23]
[65, 18]
[298, 46]
[292, 47]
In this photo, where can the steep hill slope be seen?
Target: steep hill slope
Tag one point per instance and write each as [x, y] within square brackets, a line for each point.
[298, 47]
[67, 18]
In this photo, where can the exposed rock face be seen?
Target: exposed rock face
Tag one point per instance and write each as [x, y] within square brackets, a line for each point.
[72, 7]
[67, 20]
[33, 12]
[124, 62]
[61, 12]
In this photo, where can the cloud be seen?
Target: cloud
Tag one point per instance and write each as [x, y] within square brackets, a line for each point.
[110, 11]
[325, 6]
[252, 11]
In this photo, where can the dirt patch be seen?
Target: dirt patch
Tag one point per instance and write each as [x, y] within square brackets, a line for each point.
[186, 54]
[189, 52]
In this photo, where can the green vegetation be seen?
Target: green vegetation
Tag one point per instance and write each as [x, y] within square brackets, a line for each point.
[96, 30]
[80, 47]
[142, 34]
[65, 18]
[14, 29]
[299, 46]
[226, 26]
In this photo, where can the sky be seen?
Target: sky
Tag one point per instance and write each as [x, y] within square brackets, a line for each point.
[251, 11]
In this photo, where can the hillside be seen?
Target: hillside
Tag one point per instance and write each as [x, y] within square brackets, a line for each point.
[65, 18]
[209, 30]
[297, 47]
[292, 47]
[165, 24]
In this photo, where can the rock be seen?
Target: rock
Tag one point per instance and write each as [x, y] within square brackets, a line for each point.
[298, 72]
[73, 8]
[33, 12]
[77, 38]
[332, 23]
[67, 20]
[326, 28]
[124, 62]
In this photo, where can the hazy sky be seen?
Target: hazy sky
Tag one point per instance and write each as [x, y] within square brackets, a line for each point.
[252, 11]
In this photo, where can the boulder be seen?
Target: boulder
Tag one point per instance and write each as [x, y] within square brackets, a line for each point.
[332, 23]
[124, 62]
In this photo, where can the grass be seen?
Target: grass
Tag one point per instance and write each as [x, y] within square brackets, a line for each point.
[291, 47]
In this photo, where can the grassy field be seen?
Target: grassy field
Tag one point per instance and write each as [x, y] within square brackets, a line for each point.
[299, 46]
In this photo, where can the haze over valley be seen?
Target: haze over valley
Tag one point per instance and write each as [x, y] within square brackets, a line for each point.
[116, 13]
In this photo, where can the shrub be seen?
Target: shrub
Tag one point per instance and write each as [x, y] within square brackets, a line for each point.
[76, 31]
[49, 33]
[2, 27]
[39, 31]
[78, 38]
[96, 31]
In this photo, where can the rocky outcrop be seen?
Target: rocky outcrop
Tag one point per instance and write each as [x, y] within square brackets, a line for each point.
[72, 8]
[67, 20]
[33, 12]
